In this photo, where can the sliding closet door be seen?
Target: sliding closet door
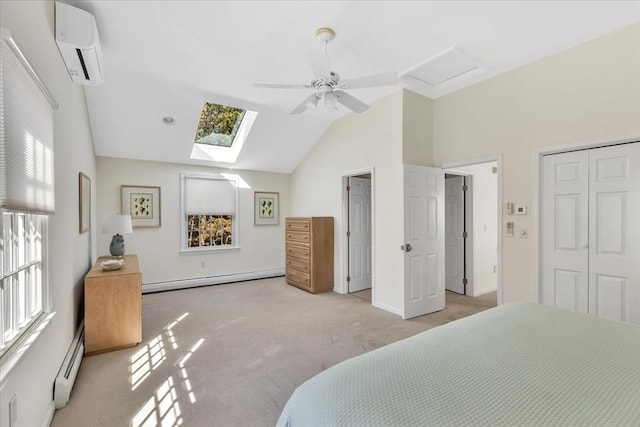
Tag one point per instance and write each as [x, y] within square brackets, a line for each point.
[565, 228]
[614, 249]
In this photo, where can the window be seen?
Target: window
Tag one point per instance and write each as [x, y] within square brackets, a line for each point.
[218, 124]
[27, 195]
[209, 230]
[209, 212]
[221, 133]
[22, 284]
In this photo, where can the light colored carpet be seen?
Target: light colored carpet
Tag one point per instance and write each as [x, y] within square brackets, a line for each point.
[231, 355]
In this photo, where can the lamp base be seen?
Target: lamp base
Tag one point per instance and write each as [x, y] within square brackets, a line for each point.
[117, 245]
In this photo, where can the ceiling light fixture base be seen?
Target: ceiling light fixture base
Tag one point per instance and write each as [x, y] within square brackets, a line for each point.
[325, 34]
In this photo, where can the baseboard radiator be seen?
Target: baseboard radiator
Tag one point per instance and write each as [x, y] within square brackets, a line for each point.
[69, 369]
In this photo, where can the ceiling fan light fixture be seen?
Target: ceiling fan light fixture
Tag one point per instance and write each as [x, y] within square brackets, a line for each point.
[313, 102]
[330, 101]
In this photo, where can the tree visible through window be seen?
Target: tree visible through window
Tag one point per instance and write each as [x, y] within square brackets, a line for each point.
[209, 230]
[218, 124]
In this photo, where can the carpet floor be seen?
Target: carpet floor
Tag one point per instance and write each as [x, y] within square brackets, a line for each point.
[231, 355]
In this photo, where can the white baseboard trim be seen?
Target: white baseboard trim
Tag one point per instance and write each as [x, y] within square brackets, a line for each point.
[171, 285]
[48, 419]
[484, 291]
[387, 308]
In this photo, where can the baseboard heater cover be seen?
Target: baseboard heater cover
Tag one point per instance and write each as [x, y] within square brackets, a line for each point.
[211, 280]
[69, 369]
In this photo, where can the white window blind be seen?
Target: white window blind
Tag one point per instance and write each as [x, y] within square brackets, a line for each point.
[210, 196]
[26, 131]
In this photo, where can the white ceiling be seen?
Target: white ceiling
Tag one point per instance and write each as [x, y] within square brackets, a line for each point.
[166, 58]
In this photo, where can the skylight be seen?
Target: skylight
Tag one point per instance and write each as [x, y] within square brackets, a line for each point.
[222, 131]
[218, 124]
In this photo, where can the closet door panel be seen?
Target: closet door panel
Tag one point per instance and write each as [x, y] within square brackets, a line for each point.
[565, 229]
[614, 232]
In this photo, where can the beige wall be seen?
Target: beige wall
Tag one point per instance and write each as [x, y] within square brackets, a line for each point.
[584, 94]
[371, 139]
[417, 129]
[158, 249]
[70, 253]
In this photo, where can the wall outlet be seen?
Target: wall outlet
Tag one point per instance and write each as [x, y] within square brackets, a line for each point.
[13, 411]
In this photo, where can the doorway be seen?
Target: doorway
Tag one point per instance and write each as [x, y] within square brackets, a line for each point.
[358, 222]
[472, 218]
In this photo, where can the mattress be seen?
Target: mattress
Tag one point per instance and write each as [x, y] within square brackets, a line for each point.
[519, 364]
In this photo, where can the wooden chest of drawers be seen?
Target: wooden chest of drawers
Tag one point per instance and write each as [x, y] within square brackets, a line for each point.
[309, 246]
[112, 307]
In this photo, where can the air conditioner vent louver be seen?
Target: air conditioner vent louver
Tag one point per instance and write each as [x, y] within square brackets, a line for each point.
[79, 44]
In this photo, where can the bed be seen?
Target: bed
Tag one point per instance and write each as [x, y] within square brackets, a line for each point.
[516, 364]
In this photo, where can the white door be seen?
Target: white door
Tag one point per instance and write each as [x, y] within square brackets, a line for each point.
[454, 229]
[591, 232]
[565, 239]
[614, 230]
[423, 240]
[359, 234]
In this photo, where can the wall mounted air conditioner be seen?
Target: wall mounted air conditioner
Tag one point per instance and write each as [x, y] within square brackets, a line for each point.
[78, 42]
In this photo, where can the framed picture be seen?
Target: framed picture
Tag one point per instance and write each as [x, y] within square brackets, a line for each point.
[266, 206]
[142, 203]
[84, 191]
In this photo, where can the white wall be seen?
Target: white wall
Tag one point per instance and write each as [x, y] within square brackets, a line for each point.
[70, 253]
[484, 184]
[158, 249]
[587, 93]
[371, 139]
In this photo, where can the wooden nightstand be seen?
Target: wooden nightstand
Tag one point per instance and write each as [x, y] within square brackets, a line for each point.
[112, 307]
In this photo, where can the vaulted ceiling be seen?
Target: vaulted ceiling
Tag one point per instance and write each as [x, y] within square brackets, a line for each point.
[166, 58]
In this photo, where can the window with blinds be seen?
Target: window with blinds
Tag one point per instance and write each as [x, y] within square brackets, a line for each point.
[26, 198]
[209, 212]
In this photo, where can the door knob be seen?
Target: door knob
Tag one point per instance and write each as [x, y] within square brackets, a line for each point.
[406, 248]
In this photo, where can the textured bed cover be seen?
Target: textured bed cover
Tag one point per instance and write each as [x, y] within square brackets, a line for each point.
[517, 364]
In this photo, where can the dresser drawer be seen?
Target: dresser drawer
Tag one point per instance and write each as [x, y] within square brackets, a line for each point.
[301, 252]
[298, 278]
[299, 264]
[298, 225]
[298, 236]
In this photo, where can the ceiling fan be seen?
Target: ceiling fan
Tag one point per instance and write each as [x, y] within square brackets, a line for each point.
[327, 84]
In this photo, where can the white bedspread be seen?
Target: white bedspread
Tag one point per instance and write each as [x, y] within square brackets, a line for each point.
[520, 364]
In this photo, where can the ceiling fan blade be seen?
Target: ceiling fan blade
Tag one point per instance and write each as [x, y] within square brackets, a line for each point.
[350, 102]
[282, 86]
[310, 101]
[384, 79]
[320, 65]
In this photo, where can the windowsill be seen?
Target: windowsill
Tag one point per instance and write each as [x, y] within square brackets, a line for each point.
[10, 359]
[209, 250]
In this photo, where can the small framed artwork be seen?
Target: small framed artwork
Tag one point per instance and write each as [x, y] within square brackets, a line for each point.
[84, 191]
[142, 203]
[266, 207]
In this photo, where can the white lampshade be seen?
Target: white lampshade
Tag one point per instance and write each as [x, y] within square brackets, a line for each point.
[117, 224]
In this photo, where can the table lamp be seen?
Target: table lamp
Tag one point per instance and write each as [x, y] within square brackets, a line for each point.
[117, 225]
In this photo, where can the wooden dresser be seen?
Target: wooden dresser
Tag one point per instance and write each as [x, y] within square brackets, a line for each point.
[112, 307]
[309, 246]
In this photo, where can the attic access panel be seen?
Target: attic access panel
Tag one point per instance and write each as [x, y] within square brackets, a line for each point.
[443, 67]
[218, 125]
